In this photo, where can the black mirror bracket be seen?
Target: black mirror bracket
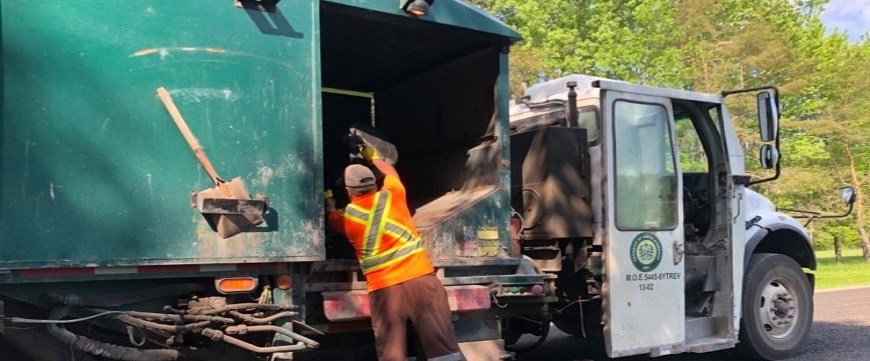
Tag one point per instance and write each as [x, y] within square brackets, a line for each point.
[775, 90]
[848, 196]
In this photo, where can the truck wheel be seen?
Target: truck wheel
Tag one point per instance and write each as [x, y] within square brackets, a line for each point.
[537, 324]
[777, 307]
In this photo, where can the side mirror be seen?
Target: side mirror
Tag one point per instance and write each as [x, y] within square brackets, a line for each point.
[847, 193]
[768, 115]
[768, 156]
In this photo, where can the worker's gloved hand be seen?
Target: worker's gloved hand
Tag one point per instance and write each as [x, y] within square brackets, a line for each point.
[369, 153]
[352, 143]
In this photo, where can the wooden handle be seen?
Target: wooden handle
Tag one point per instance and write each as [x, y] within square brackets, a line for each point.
[188, 135]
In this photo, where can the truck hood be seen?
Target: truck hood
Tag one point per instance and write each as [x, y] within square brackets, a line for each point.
[757, 203]
[759, 206]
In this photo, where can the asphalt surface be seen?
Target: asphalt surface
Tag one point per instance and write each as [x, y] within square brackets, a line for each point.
[840, 332]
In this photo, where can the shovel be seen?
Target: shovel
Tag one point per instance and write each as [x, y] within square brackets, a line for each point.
[228, 204]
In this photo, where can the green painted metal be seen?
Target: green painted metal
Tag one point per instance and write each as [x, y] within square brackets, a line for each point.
[94, 172]
[448, 12]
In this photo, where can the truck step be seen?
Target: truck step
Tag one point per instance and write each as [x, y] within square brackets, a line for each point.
[709, 344]
[701, 327]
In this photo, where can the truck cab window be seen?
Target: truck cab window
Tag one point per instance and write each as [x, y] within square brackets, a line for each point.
[646, 177]
[587, 118]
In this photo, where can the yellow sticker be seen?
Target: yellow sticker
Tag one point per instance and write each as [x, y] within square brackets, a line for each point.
[488, 239]
[487, 233]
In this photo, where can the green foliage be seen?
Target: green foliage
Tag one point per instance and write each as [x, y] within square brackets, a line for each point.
[803, 149]
[848, 235]
[631, 40]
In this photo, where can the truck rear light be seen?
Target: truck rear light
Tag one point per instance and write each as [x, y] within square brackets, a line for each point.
[284, 282]
[516, 229]
[516, 225]
[235, 284]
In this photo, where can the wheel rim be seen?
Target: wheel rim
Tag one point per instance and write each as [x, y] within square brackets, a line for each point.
[778, 308]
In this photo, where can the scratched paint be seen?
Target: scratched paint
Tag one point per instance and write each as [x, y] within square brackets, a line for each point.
[148, 180]
[198, 95]
[166, 53]
[264, 175]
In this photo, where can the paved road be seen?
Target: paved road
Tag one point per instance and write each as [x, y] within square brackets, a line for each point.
[841, 332]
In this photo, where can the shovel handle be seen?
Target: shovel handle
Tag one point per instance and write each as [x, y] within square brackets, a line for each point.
[188, 135]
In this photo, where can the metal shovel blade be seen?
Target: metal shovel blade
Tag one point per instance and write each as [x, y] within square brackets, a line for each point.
[228, 225]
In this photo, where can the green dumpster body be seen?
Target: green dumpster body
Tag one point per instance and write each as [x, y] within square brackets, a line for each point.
[94, 173]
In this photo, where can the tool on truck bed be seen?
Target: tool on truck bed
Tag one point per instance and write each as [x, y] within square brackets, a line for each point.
[228, 205]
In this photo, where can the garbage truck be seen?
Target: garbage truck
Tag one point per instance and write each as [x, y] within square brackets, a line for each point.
[637, 198]
[164, 164]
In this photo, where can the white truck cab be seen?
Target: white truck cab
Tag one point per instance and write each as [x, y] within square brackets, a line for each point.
[636, 198]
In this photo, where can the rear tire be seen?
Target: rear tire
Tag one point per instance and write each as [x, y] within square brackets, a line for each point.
[777, 307]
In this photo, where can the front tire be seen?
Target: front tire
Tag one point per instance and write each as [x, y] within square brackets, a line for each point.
[777, 307]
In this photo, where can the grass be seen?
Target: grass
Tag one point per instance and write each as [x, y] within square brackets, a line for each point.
[853, 271]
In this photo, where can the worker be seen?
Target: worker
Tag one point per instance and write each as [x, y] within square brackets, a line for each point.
[400, 278]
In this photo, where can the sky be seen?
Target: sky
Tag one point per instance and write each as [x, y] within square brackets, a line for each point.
[852, 16]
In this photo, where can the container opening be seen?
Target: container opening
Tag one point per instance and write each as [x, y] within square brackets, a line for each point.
[431, 91]
[429, 87]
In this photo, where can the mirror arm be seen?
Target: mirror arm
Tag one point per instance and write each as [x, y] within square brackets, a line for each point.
[726, 93]
[778, 166]
[815, 215]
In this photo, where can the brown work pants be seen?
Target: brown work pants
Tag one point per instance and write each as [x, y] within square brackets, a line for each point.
[423, 301]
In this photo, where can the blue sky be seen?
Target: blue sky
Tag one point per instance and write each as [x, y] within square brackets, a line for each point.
[852, 16]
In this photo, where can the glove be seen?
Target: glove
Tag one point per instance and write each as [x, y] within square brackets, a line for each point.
[352, 143]
[328, 193]
[369, 153]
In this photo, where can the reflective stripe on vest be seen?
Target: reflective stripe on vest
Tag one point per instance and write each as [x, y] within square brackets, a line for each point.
[377, 224]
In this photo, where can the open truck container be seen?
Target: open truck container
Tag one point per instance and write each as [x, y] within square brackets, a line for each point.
[98, 184]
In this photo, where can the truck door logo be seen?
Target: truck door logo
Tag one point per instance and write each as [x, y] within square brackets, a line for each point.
[646, 252]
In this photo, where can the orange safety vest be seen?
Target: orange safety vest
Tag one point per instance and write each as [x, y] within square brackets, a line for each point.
[380, 228]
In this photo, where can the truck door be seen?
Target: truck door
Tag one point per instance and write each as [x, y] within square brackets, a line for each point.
[644, 306]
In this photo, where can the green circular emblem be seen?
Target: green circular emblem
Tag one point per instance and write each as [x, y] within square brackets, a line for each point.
[646, 252]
